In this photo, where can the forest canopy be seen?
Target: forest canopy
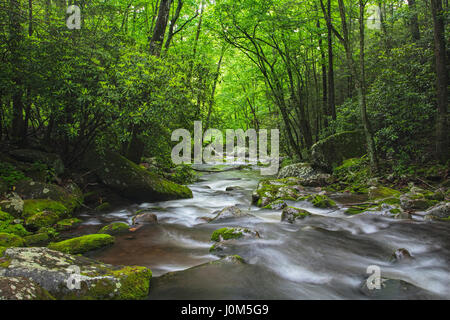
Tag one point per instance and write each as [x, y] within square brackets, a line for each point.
[137, 70]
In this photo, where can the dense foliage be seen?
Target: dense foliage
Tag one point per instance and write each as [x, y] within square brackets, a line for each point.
[301, 66]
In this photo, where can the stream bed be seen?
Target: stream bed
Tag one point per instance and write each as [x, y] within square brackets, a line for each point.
[324, 256]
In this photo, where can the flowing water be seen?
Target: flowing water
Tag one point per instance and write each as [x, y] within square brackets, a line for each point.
[324, 256]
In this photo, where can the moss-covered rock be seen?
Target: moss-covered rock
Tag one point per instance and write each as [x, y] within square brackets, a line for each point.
[305, 173]
[270, 190]
[331, 151]
[13, 204]
[82, 244]
[276, 205]
[228, 233]
[40, 213]
[105, 206]
[67, 224]
[383, 193]
[413, 201]
[2, 251]
[14, 228]
[115, 228]
[360, 208]
[441, 211]
[290, 214]
[132, 181]
[55, 271]
[38, 239]
[19, 288]
[71, 197]
[10, 240]
[321, 201]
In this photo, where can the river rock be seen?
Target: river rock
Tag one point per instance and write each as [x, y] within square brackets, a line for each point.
[145, 217]
[290, 214]
[439, 211]
[115, 228]
[331, 151]
[305, 173]
[131, 181]
[53, 270]
[229, 213]
[401, 254]
[415, 201]
[52, 160]
[19, 288]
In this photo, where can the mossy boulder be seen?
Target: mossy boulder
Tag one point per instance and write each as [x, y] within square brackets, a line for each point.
[43, 213]
[82, 244]
[33, 156]
[105, 206]
[307, 175]
[290, 214]
[145, 217]
[132, 181]
[383, 193]
[321, 201]
[331, 151]
[13, 228]
[71, 197]
[413, 201]
[13, 204]
[19, 288]
[276, 205]
[228, 233]
[115, 228]
[67, 224]
[270, 190]
[54, 271]
[360, 208]
[38, 239]
[10, 240]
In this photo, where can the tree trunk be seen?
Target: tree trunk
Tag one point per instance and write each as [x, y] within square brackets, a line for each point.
[441, 80]
[413, 20]
[160, 28]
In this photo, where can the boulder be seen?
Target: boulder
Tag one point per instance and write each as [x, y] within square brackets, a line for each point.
[71, 277]
[415, 202]
[82, 244]
[276, 205]
[20, 288]
[331, 151]
[307, 175]
[229, 213]
[43, 213]
[132, 181]
[13, 205]
[145, 217]
[50, 159]
[290, 214]
[439, 211]
[270, 190]
[229, 233]
[10, 240]
[115, 228]
[71, 197]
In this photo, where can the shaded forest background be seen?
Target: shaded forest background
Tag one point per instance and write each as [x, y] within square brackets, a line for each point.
[137, 70]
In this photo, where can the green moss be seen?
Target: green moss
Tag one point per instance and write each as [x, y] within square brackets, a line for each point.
[67, 224]
[2, 251]
[226, 234]
[82, 244]
[9, 227]
[4, 216]
[51, 232]
[322, 201]
[34, 206]
[36, 239]
[115, 228]
[10, 240]
[134, 282]
[42, 219]
[395, 211]
[105, 206]
[359, 208]
[391, 201]
[382, 193]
